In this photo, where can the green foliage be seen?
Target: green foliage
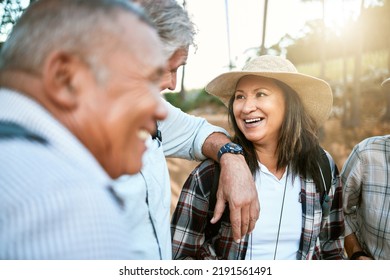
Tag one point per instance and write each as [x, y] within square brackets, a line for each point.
[10, 12]
[194, 99]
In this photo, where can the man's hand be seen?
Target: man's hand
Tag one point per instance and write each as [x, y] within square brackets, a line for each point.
[237, 187]
[352, 245]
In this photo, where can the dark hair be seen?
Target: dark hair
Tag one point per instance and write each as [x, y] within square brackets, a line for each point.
[298, 144]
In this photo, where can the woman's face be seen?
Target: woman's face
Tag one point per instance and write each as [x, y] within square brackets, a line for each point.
[259, 109]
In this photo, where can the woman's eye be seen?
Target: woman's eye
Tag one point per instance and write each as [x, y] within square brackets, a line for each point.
[260, 94]
[239, 97]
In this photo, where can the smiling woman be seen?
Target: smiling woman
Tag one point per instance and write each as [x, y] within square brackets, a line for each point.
[275, 113]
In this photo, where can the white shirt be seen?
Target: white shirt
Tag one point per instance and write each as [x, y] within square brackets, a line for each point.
[263, 240]
[55, 199]
[147, 195]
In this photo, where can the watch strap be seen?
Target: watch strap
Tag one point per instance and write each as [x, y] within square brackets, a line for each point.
[230, 147]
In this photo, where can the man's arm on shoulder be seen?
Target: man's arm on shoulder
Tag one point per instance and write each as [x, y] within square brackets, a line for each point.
[236, 186]
[197, 139]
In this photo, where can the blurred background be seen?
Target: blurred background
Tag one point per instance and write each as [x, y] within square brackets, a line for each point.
[345, 42]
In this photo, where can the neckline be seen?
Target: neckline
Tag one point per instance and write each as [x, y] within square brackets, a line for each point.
[265, 170]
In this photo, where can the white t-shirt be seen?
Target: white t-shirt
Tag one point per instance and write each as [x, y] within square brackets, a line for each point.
[263, 240]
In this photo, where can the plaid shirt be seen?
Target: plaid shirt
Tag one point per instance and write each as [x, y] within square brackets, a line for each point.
[366, 194]
[192, 237]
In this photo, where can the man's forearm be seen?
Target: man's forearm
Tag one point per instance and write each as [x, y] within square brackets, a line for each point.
[352, 245]
[239, 191]
[213, 143]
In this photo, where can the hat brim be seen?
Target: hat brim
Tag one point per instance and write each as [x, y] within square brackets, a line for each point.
[315, 94]
[386, 82]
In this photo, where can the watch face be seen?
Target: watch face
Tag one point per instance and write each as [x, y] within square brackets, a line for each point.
[235, 147]
[230, 148]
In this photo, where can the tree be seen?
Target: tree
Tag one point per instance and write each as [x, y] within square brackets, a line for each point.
[322, 42]
[182, 92]
[10, 11]
[354, 120]
[386, 116]
[231, 66]
[262, 47]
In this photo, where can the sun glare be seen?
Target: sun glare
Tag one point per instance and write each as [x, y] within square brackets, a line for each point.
[339, 12]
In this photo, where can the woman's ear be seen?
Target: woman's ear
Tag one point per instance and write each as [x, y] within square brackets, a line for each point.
[59, 73]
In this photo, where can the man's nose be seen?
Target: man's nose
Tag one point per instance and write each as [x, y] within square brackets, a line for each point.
[168, 82]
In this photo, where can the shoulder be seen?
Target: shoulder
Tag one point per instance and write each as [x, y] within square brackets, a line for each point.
[177, 120]
[371, 148]
[174, 113]
[331, 162]
[374, 143]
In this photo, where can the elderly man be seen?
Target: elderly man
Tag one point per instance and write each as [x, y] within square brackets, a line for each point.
[366, 198]
[147, 194]
[79, 96]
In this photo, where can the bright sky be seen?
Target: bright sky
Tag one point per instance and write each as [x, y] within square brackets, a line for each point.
[245, 23]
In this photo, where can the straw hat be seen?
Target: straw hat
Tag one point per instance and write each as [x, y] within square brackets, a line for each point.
[386, 82]
[315, 94]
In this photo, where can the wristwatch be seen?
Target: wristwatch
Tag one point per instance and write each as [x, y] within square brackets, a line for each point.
[232, 148]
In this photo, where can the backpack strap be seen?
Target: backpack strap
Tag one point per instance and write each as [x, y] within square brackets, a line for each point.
[326, 182]
[326, 173]
[10, 130]
[214, 187]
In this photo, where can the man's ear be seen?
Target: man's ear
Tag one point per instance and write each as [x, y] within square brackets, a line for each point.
[59, 71]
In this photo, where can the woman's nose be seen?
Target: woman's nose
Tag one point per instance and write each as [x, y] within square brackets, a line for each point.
[249, 105]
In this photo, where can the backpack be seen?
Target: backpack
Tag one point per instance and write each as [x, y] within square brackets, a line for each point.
[326, 183]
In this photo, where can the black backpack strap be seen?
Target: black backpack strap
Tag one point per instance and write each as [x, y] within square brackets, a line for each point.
[326, 182]
[10, 130]
[326, 172]
[214, 188]
[157, 134]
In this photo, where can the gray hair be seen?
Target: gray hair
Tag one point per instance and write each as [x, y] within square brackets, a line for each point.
[85, 28]
[173, 24]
